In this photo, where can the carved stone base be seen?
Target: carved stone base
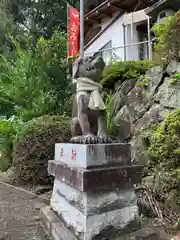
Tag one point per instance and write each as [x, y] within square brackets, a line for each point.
[93, 196]
[91, 203]
[105, 226]
[93, 155]
[95, 179]
[89, 214]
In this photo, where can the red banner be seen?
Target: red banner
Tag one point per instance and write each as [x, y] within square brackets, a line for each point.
[73, 32]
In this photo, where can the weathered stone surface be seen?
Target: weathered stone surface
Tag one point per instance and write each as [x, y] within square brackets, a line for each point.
[95, 179]
[53, 226]
[122, 123]
[87, 227]
[155, 115]
[138, 151]
[91, 155]
[137, 101]
[154, 76]
[173, 67]
[168, 94]
[93, 203]
[128, 85]
[56, 229]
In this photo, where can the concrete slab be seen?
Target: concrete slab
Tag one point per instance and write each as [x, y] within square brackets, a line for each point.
[92, 155]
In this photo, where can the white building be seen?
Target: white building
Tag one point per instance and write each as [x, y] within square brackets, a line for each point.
[112, 28]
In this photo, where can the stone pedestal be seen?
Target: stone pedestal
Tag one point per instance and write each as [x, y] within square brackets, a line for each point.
[93, 192]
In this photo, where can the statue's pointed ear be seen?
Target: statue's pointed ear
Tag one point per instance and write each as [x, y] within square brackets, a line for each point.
[75, 68]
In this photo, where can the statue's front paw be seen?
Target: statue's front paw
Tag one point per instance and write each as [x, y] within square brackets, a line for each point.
[90, 139]
[104, 139]
[76, 139]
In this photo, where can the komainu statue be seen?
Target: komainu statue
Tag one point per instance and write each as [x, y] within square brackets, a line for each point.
[88, 124]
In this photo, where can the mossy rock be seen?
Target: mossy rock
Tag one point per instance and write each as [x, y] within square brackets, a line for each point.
[164, 153]
[34, 146]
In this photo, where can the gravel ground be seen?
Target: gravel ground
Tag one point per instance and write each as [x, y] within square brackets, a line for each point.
[19, 215]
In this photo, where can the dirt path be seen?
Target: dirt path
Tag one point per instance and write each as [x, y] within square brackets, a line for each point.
[19, 215]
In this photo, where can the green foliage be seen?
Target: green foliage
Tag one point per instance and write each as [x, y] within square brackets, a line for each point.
[143, 82]
[35, 83]
[8, 130]
[41, 18]
[167, 38]
[175, 79]
[7, 27]
[164, 152]
[123, 70]
[108, 98]
[34, 146]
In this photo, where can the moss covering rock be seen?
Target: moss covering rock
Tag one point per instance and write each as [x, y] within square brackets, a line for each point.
[164, 165]
[34, 146]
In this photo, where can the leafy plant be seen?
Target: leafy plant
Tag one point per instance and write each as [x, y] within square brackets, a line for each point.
[167, 38]
[36, 82]
[175, 78]
[8, 129]
[108, 97]
[119, 70]
[143, 82]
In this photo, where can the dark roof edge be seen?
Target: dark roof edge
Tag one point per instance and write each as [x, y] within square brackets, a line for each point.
[154, 6]
[97, 8]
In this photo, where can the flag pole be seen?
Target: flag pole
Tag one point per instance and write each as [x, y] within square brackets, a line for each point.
[81, 28]
[67, 4]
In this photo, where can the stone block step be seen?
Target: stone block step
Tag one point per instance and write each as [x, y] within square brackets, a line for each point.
[96, 179]
[93, 155]
[90, 204]
[53, 226]
[69, 224]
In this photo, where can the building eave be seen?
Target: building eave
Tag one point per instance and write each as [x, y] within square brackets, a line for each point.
[109, 7]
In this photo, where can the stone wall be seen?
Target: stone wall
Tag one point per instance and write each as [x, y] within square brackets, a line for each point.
[143, 103]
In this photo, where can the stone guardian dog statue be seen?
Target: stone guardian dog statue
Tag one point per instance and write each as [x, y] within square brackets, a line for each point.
[88, 123]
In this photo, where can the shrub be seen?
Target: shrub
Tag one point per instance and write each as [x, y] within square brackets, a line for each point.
[35, 82]
[8, 130]
[164, 152]
[34, 146]
[167, 44]
[123, 70]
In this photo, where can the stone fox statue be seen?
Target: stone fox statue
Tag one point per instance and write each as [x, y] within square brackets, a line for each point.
[89, 112]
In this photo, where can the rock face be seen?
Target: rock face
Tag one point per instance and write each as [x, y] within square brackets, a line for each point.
[143, 103]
